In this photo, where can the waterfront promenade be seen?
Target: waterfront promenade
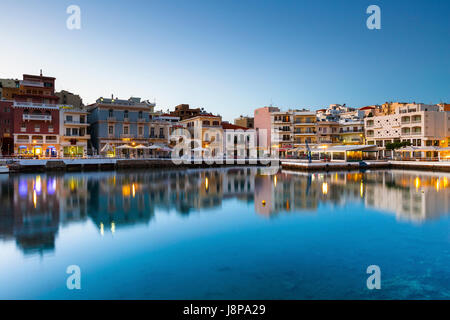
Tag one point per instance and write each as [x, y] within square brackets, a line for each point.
[103, 164]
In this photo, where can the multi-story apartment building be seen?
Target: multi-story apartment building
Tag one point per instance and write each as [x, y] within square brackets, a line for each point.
[282, 132]
[304, 126]
[244, 121]
[263, 126]
[6, 127]
[74, 135]
[206, 133]
[328, 132]
[351, 131]
[122, 127]
[35, 116]
[419, 124]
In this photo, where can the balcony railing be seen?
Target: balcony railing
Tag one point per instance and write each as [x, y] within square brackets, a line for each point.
[30, 83]
[75, 122]
[38, 117]
[36, 105]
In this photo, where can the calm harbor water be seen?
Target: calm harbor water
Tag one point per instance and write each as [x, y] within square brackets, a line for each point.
[238, 233]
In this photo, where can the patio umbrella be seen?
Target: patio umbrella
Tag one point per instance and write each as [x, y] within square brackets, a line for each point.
[167, 149]
[124, 146]
[107, 147]
[155, 146]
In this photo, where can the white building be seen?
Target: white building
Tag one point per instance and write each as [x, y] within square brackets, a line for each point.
[73, 132]
[421, 125]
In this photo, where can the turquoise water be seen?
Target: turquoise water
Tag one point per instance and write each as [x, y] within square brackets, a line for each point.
[238, 233]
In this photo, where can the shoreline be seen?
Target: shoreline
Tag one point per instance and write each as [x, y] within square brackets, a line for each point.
[81, 165]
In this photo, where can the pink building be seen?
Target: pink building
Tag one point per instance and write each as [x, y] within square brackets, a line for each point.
[263, 127]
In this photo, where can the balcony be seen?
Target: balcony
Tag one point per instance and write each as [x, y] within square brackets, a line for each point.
[111, 119]
[72, 136]
[141, 119]
[36, 105]
[30, 83]
[73, 122]
[36, 117]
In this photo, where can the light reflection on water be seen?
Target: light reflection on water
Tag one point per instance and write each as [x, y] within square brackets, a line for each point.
[320, 222]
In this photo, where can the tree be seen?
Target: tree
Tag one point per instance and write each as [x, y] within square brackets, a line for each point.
[397, 145]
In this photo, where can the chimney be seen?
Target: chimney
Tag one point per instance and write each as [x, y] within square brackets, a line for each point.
[41, 72]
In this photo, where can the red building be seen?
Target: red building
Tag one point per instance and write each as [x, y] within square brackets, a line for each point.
[6, 127]
[35, 116]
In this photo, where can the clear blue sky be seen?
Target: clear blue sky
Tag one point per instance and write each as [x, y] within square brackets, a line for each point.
[232, 56]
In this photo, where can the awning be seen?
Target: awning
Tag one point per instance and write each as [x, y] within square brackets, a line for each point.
[23, 147]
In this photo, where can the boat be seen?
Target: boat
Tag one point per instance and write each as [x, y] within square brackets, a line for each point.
[4, 169]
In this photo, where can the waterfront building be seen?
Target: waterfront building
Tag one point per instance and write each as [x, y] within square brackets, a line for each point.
[245, 121]
[123, 127]
[35, 116]
[74, 135]
[183, 111]
[419, 124]
[328, 132]
[351, 131]
[69, 98]
[263, 126]
[6, 128]
[206, 133]
[239, 142]
[304, 126]
[282, 132]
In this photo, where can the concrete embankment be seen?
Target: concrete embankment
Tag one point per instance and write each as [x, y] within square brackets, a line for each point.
[110, 164]
[421, 165]
[339, 166]
[333, 166]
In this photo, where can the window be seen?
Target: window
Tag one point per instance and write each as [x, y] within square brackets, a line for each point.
[111, 113]
[125, 114]
[152, 132]
[68, 132]
[111, 130]
[69, 118]
[140, 115]
[75, 131]
[48, 84]
[37, 127]
[141, 130]
[161, 132]
[125, 130]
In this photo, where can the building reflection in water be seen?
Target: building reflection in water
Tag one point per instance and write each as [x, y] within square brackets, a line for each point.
[35, 206]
